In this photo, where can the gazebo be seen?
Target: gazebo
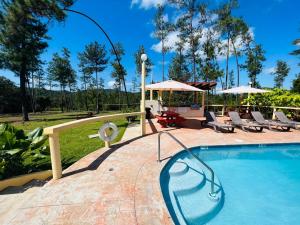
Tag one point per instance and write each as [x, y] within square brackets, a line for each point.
[171, 86]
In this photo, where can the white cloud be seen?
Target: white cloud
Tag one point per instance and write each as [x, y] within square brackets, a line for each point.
[170, 42]
[147, 4]
[166, 18]
[112, 84]
[269, 70]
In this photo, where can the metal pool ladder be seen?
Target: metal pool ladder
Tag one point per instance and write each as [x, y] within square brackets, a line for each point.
[212, 191]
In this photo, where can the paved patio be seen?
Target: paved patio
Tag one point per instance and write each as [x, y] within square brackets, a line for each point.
[121, 185]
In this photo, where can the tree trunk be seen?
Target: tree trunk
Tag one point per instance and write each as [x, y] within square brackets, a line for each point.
[86, 97]
[23, 94]
[237, 63]
[227, 62]
[97, 94]
[237, 69]
[61, 99]
[163, 63]
[33, 94]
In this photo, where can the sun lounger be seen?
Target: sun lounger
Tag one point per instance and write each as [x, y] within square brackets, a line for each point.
[283, 119]
[238, 122]
[258, 117]
[213, 122]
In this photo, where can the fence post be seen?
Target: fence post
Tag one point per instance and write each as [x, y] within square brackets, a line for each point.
[55, 156]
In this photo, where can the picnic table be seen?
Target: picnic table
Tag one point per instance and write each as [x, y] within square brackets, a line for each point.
[169, 118]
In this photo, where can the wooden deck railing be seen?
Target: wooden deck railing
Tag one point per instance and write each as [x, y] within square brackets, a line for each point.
[53, 133]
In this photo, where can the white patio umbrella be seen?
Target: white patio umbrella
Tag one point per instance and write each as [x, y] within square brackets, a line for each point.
[243, 90]
[172, 85]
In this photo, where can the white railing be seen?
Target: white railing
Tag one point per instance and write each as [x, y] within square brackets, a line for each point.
[54, 131]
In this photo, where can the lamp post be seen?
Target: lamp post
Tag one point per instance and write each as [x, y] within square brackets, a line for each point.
[143, 96]
[108, 38]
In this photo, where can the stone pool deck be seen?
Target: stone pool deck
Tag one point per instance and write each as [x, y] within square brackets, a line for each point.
[120, 185]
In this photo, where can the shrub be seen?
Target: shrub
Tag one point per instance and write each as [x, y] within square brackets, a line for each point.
[16, 147]
[277, 97]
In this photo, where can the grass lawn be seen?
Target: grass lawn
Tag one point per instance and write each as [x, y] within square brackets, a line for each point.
[74, 143]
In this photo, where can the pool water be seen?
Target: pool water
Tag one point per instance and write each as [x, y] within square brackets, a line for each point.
[256, 184]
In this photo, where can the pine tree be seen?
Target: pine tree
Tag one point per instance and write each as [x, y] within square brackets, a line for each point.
[61, 71]
[231, 79]
[226, 27]
[138, 61]
[94, 60]
[297, 51]
[190, 31]
[209, 67]
[296, 84]
[178, 69]
[281, 72]
[23, 29]
[253, 64]
[86, 80]
[162, 29]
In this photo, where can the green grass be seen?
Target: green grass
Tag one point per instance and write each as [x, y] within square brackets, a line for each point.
[74, 143]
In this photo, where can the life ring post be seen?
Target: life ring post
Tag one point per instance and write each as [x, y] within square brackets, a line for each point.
[107, 143]
[107, 137]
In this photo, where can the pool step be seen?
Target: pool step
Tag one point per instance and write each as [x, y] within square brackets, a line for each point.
[198, 207]
[189, 189]
[186, 178]
[179, 168]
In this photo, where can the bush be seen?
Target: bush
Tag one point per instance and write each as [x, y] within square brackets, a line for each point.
[277, 97]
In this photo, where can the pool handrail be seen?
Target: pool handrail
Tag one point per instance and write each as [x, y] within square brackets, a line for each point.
[212, 192]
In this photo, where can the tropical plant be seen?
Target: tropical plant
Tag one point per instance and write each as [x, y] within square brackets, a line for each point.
[277, 97]
[16, 147]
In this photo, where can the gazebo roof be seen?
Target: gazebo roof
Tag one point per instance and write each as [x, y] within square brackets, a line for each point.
[172, 85]
[203, 85]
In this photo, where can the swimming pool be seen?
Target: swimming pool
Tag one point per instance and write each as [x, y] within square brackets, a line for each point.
[256, 184]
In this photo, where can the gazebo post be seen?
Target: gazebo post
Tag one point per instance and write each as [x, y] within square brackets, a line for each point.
[151, 94]
[203, 101]
[160, 95]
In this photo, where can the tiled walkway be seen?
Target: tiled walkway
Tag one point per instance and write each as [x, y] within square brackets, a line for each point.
[121, 185]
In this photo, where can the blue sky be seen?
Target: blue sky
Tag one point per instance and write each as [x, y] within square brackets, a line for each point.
[275, 23]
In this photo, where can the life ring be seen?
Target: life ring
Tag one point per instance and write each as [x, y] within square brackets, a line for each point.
[102, 134]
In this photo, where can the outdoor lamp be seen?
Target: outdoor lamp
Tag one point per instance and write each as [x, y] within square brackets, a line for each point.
[144, 57]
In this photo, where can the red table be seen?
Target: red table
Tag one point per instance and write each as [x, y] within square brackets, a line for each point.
[169, 118]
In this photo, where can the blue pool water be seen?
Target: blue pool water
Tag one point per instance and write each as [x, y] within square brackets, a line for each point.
[256, 185]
